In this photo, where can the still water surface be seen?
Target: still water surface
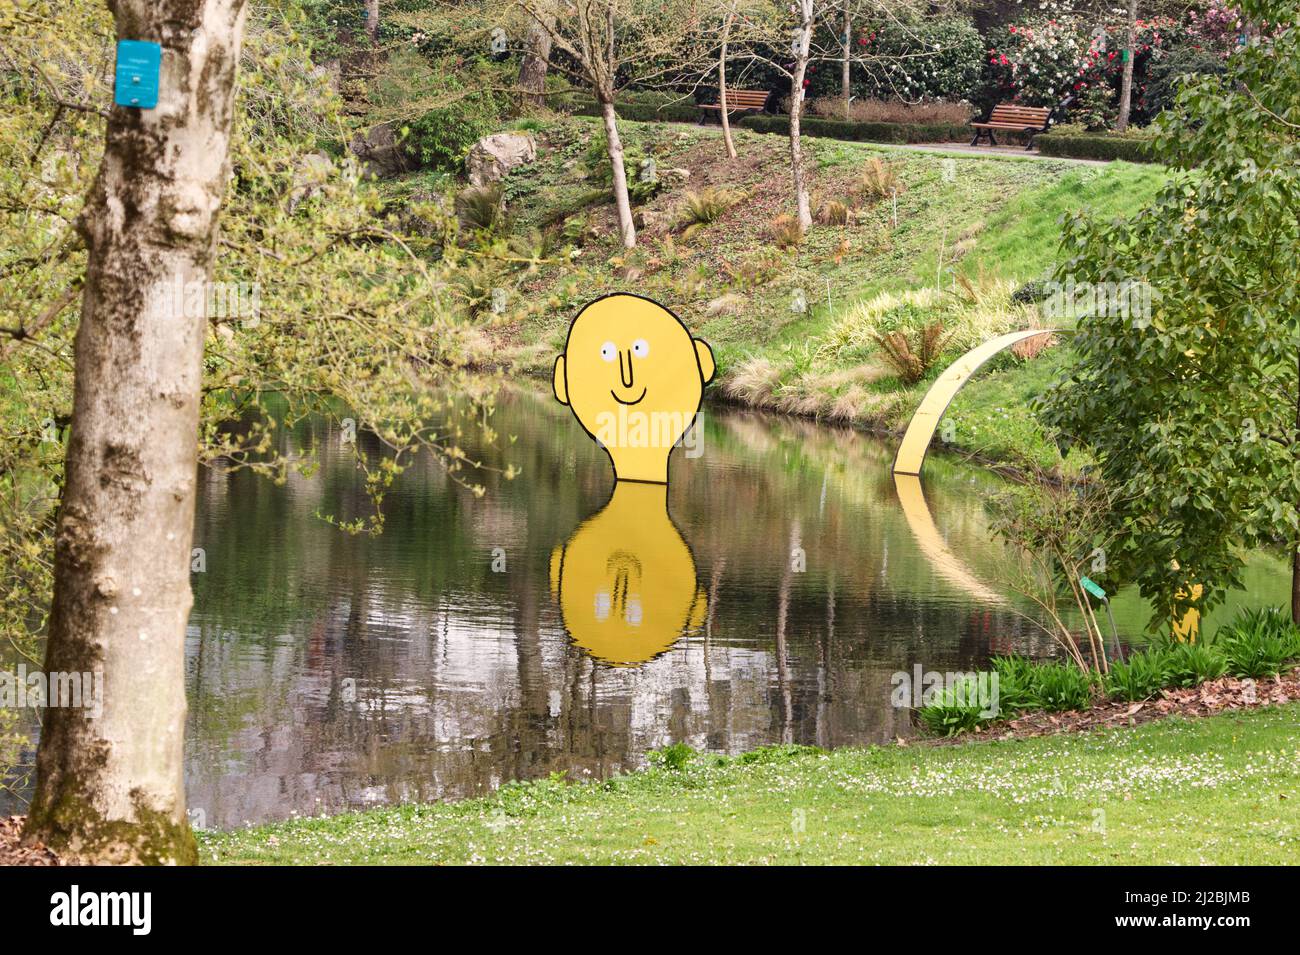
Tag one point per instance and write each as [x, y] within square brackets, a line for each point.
[552, 625]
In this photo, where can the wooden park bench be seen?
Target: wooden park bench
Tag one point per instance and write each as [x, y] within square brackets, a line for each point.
[738, 101]
[1028, 120]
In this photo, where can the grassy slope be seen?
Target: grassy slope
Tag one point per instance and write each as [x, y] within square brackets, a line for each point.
[1221, 789]
[1001, 213]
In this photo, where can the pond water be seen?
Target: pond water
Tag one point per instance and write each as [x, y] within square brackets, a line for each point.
[768, 596]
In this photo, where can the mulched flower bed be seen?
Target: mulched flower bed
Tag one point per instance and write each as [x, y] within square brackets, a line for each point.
[13, 852]
[1214, 696]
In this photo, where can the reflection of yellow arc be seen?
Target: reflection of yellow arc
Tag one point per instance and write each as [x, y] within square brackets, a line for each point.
[945, 562]
[916, 440]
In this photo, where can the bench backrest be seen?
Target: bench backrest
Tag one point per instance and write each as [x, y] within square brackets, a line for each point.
[1025, 116]
[746, 99]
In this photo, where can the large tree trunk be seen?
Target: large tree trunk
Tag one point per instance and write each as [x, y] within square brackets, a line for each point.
[722, 84]
[1295, 584]
[372, 20]
[625, 225]
[844, 65]
[1126, 85]
[111, 789]
[803, 42]
[537, 58]
[1295, 546]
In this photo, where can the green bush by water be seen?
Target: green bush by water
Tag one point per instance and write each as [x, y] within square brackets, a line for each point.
[1257, 643]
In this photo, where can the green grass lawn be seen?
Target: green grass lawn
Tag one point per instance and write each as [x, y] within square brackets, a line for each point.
[1223, 789]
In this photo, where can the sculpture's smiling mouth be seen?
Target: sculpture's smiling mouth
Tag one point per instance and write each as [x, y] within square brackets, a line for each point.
[622, 402]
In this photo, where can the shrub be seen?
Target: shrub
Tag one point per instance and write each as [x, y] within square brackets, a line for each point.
[931, 113]
[707, 205]
[934, 57]
[673, 757]
[1167, 73]
[911, 352]
[1030, 293]
[956, 710]
[878, 179]
[1127, 148]
[1140, 677]
[1258, 643]
[479, 208]
[1059, 686]
[833, 212]
[640, 186]
[868, 132]
[1190, 664]
[786, 231]
[1027, 349]
[1015, 684]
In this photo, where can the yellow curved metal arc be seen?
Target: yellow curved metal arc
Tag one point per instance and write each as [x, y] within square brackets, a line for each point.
[920, 430]
[947, 564]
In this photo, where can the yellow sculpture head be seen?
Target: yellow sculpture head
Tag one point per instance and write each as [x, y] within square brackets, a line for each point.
[634, 377]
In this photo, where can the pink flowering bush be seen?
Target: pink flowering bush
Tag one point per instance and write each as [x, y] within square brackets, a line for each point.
[1040, 64]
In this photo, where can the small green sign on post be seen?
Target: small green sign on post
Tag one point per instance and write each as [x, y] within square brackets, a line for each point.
[1092, 587]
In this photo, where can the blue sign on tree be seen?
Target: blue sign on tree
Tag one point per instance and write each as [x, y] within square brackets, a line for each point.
[138, 66]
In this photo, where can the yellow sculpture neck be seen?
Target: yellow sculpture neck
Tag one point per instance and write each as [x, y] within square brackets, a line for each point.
[637, 499]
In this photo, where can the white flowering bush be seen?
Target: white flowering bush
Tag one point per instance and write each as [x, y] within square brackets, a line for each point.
[941, 58]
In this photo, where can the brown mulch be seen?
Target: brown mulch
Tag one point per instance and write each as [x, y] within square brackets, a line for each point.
[13, 852]
[1216, 696]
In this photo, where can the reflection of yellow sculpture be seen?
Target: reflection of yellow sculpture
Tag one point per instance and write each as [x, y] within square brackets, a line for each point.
[625, 581]
[945, 562]
[1188, 627]
[634, 378]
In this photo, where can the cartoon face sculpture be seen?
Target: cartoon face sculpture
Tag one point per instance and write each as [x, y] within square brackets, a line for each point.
[625, 581]
[634, 377]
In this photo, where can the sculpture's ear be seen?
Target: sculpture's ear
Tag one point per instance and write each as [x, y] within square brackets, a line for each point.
[559, 384]
[704, 354]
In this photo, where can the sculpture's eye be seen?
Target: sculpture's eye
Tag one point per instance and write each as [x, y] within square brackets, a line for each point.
[608, 352]
[640, 348]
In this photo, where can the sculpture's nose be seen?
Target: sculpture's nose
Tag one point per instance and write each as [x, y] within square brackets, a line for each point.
[626, 379]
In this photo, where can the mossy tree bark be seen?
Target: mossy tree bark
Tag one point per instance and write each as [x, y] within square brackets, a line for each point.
[110, 787]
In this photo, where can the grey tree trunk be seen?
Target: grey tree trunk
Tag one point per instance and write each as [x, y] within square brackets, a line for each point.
[622, 202]
[372, 20]
[803, 41]
[722, 84]
[536, 62]
[1126, 85]
[110, 787]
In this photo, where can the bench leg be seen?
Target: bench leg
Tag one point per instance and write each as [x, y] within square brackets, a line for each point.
[993, 140]
[976, 140]
[1029, 146]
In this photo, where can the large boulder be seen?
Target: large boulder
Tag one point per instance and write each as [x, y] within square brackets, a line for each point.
[381, 152]
[493, 156]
